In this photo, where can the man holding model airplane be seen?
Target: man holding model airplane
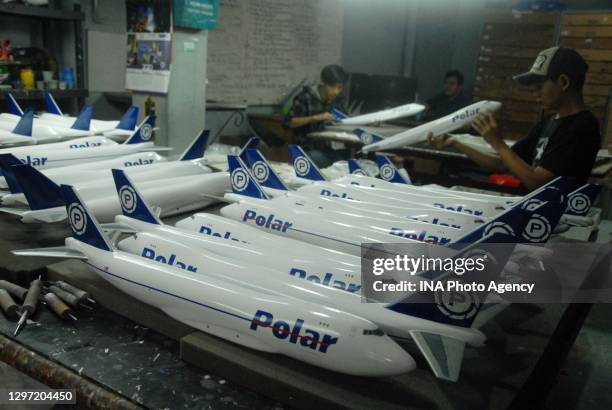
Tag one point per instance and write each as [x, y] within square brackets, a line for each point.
[562, 144]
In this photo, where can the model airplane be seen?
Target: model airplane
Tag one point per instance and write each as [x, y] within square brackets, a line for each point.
[448, 123]
[44, 132]
[122, 128]
[21, 133]
[237, 312]
[42, 158]
[189, 163]
[405, 110]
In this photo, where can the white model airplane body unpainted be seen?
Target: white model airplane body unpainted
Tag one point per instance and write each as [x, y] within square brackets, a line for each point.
[400, 111]
[458, 119]
[46, 131]
[173, 195]
[260, 320]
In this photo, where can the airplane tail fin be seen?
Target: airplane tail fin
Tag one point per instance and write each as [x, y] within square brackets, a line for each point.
[52, 106]
[83, 121]
[355, 168]
[444, 354]
[338, 115]
[389, 172]
[303, 165]
[129, 120]
[545, 208]
[197, 147]
[7, 161]
[261, 170]
[131, 201]
[84, 226]
[367, 137]
[241, 180]
[40, 191]
[14, 107]
[579, 202]
[24, 126]
[252, 143]
[144, 132]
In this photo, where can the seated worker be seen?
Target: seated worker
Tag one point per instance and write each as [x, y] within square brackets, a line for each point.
[448, 101]
[310, 111]
[564, 143]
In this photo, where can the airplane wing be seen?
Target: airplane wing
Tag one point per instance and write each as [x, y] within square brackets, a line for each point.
[443, 354]
[117, 227]
[157, 149]
[52, 252]
[335, 136]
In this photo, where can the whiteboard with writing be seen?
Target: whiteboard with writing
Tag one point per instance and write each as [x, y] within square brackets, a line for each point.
[261, 49]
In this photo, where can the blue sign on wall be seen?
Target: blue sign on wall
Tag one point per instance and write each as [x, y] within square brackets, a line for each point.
[200, 14]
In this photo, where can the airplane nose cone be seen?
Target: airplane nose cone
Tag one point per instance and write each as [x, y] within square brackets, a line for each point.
[495, 105]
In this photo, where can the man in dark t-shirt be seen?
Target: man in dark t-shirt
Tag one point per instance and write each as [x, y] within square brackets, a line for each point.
[563, 144]
[450, 100]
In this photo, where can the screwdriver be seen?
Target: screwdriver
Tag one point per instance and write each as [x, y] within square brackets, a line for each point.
[7, 304]
[13, 289]
[59, 307]
[29, 304]
[81, 294]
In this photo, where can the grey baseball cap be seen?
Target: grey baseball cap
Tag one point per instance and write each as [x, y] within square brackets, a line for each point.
[551, 63]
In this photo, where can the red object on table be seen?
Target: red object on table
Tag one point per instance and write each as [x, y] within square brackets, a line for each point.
[504, 179]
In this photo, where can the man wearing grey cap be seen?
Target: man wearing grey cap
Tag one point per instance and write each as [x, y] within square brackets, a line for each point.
[562, 144]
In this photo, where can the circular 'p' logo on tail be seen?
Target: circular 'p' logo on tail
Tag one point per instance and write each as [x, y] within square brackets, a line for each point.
[538, 229]
[240, 179]
[579, 203]
[458, 305]
[127, 197]
[146, 131]
[387, 172]
[260, 171]
[366, 138]
[301, 166]
[77, 218]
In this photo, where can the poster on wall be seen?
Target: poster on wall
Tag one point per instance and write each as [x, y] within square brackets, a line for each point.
[149, 42]
[198, 14]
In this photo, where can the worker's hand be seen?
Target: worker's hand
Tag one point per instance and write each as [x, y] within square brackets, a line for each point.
[324, 116]
[440, 141]
[486, 126]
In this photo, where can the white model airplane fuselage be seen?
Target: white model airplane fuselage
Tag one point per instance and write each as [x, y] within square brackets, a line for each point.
[405, 110]
[459, 119]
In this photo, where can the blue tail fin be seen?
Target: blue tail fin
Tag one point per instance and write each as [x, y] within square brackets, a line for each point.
[338, 115]
[367, 138]
[459, 308]
[14, 107]
[24, 126]
[197, 147]
[40, 191]
[242, 182]
[7, 161]
[544, 208]
[144, 131]
[388, 171]
[128, 121]
[252, 143]
[84, 226]
[131, 200]
[262, 171]
[303, 165]
[355, 168]
[83, 121]
[52, 106]
[580, 201]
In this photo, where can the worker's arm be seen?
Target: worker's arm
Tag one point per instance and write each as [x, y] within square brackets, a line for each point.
[531, 177]
[297, 122]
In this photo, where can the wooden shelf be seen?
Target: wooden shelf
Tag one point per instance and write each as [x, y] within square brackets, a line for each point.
[40, 12]
[39, 95]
